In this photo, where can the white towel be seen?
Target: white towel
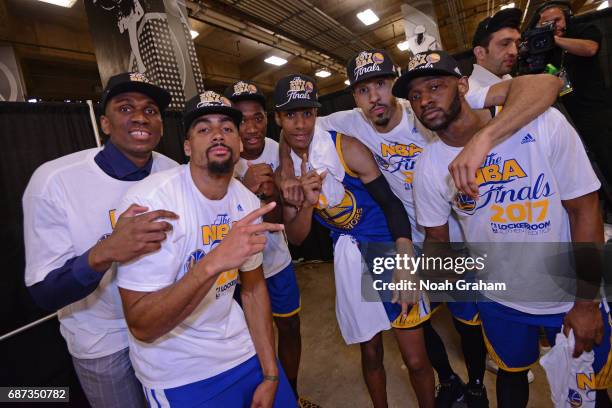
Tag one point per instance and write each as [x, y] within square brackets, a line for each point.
[569, 377]
[322, 156]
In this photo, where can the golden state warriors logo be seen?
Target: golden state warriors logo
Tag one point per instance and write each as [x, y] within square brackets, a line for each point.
[345, 215]
[574, 398]
[464, 203]
[192, 259]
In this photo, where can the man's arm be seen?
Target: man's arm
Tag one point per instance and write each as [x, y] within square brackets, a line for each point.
[578, 46]
[258, 314]
[524, 98]
[150, 315]
[587, 232]
[134, 235]
[360, 160]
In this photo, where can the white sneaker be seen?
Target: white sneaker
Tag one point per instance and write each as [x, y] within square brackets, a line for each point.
[494, 368]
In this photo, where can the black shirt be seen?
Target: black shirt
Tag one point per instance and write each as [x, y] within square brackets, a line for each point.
[584, 72]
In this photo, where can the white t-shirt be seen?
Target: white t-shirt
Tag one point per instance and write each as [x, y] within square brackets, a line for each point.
[482, 77]
[276, 254]
[522, 185]
[215, 337]
[396, 151]
[69, 205]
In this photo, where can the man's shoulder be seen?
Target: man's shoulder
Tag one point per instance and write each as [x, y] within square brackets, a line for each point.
[162, 162]
[159, 184]
[52, 171]
[241, 192]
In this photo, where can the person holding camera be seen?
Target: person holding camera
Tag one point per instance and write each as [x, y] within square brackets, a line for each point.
[576, 53]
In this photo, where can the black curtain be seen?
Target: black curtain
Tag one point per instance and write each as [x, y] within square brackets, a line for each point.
[31, 134]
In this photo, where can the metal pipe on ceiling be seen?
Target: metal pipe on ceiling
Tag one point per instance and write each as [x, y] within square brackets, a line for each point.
[258, 34]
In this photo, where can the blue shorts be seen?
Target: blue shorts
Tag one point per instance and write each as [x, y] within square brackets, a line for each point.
[512, 339]
[283, 291]
[233, 388]
[417, 315]
[465, 312]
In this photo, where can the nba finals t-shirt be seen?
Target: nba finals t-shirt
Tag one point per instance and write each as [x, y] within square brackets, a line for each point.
[69, 205]
[522, 185]
[397, 151]
[276, 254]
[215, 337]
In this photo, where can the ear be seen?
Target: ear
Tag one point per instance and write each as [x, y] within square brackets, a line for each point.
[479, 52]
[105, 125]
[241, 147]
[187, 147]
[277, 119]
[463, 86]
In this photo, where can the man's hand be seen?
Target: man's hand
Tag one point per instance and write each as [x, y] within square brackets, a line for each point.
[256, 176]
[244, 240]
[585, 320]
[312, 183]
[405, 297]
[134, 235]
[264, 394]
[463, 168]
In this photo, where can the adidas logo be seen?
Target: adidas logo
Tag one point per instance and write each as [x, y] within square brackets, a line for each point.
[528, 139]
[239, 208]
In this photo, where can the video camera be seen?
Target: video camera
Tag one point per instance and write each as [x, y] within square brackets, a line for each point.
[535, 49]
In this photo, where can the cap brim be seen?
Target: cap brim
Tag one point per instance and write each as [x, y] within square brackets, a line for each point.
[400, 88]
[233, 113]
[298, 104]
[370, 75]
[161, 97]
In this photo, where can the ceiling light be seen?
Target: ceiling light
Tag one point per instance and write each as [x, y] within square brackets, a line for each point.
[506, 6]
[367, 17]
[274, 60]
[347, 82]
[603, 5]
[323, 73]
[63, 3]
[32, 100]
[194, 34]
[403, 46]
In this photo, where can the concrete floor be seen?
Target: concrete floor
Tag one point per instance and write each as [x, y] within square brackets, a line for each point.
[330, 373]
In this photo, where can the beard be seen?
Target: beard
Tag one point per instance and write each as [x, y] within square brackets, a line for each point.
[382, 120]
[223, 167]
[448, 116]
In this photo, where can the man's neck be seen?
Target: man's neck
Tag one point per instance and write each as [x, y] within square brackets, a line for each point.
[252, 155]
[396, 117]
[489, 70]
[212, 186]
[139, 160]
[465, 126]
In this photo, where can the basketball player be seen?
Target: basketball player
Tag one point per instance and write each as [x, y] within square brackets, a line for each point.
[535, 187]
[258, 161]
[74, 236]
[190, 342]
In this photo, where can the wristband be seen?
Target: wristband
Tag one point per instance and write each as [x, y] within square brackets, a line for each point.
[273, 378]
